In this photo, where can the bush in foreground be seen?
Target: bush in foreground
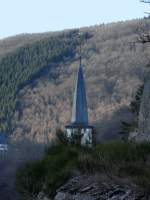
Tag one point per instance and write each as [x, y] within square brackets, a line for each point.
[60, 162]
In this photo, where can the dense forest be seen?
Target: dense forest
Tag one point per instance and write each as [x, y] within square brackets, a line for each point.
[37, 74]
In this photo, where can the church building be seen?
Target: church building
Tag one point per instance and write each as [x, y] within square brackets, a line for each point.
[3, 142]
[79, 131]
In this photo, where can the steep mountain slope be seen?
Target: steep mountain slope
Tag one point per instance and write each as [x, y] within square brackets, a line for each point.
[113, 65]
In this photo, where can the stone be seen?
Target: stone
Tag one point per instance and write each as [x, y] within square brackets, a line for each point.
[46, 198]
[144, 113]
[42, 196]
[63, 196]
[83, 197]
[86, 189]
[92, 188]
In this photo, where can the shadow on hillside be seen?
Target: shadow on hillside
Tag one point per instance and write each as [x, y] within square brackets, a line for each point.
[108, 127]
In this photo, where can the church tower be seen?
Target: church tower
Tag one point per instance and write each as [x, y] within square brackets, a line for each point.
[79, 131]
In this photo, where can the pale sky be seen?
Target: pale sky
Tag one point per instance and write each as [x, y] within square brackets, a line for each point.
[31, 16]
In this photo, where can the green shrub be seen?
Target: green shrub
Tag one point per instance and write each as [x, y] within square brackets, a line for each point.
[61, 137]
[60, 162]
[48, 174]
[116, 158]
[30, 178]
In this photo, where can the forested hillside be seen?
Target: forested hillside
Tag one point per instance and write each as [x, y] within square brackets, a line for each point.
[11, 44]
[37, 78]
[27, 64]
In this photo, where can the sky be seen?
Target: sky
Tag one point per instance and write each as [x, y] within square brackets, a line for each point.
[32, 16]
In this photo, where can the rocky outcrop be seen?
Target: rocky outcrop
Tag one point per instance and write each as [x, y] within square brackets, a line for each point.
[94, 188]
[144, 114]
[42, 196]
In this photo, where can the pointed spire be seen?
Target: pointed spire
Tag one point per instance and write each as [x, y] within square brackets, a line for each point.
[79, 122]
[80, 52]
[79, 111]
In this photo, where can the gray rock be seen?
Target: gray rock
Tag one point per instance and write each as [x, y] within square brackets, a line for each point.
[63, 196]
[46, 198]
[92, 188]
[80, 196]
[42, 196]
[144, 114]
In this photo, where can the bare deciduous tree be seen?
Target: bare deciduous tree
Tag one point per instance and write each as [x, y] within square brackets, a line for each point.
[145, 37]
[144, 1]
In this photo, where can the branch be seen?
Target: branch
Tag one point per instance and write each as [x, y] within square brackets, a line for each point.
[145, 1]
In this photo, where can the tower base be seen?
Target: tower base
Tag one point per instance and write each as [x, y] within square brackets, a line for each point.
[79, 134]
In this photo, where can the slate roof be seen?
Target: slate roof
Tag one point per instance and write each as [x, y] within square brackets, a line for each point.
[79, 110]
